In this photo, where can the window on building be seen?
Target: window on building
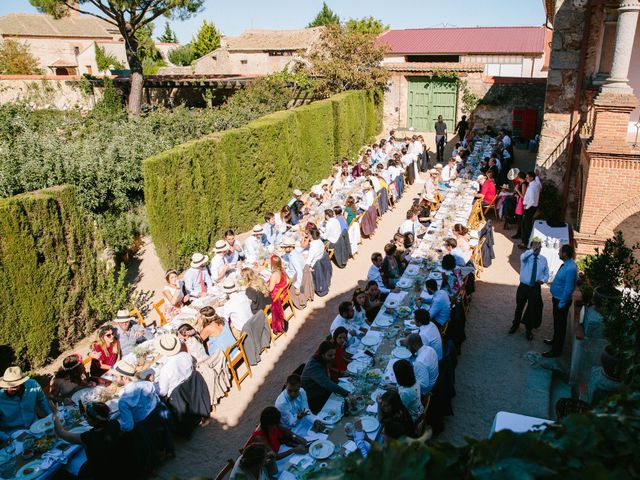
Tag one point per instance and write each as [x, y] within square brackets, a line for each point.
[433, 58]
[89, 69]
[606, 47]
[280, 53]
[243, 62]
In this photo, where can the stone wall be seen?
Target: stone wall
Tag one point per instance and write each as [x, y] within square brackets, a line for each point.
[61, 92]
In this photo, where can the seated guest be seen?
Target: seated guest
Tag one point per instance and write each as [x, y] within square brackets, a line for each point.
[391, 409]
[278, 290]
[105, 352]
[193, 343]
[401, 252]
[102, 443]
[138, 399]
[424, 212]
[391, 269]
[272, 234]
[22, 402]
[440, 309]
[339, 367]
[451, 248]
[129, 333]
[449, 171]
[425, 363]
[177, 367]
[218, 268]
[253, 249]
[283, 219]
[293, 263]
[408, 388]
[337, 210]
[409, 240]
[368, 198]
[297, 212]
[487, 188]
[375, 272]
[252, 463]
[373, 301]
[256, 290]
[272, 434]
[350, 209]
[332, 228]
[215, 330]
[292, 402]
[237, 308]
[174, 294]
[197, 279]
[315, 377]
[428, 331]
[451, 276]
[297, 195]
[462, 238]
[234, 249]
[345, 318]
[316, 247]
[358, 300]
[69, 378]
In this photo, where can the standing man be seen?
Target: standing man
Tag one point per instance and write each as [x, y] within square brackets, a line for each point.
[441, 138]
[562, 289]
[530, 203]
[462, 127]
[534, 271]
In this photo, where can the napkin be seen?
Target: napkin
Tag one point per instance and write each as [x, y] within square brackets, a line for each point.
[350, 446]
[393, 296]
[52, 456]
[347, 385]
[312, 436]
[373, 408]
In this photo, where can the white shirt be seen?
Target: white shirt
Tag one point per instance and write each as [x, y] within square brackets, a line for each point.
[332, 230]
[425, 367]
[340, 321]
[407, 159]
[526, 268]
[394, 171]
[237, 310]
[137, 400]
[417, 147]
[316, 251]
[532, 195]
[375, 275]
[409, 226]
[294, 266]
[192, 280]
[506, 141]
[290, 408]
[431, 336]
[366, 201]
[216, 266]
[377, 186]
[448, 172]
[252, 249]
[385, 174]
[176, 370]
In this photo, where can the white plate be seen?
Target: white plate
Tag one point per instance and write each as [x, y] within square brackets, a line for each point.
[404, 284]
[401, 353]
[382, 322]
[376, 394]
[35, 466]
[80, 429]
[370, 424]
[370, 340]
[321, 449]
[43, 425]
[399, 342]
[356, 367]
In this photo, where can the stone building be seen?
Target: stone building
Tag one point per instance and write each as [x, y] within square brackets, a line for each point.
[589, 143]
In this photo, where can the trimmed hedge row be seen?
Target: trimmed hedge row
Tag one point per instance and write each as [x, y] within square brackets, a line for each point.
[197, 190]
[49, 269]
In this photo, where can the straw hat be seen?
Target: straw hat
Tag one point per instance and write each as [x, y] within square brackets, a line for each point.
[433, 171]
[198, 260]
[13, 377]
[288, 242]
[430, 198]
[513, 173]
[438, 166]
[481, 177]
[122, 317]
[229, 286]
[167, 344]
[125, 369]
[258, 230]
[221, 246]
[297, 193]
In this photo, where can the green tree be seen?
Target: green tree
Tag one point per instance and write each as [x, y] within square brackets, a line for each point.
[344, 59]
[325, 16]
[168, 36]
[151, 58]
[207, 39]
[128, 16]
[369, 25]
[182, 55]
[106, 61]
[16, 59]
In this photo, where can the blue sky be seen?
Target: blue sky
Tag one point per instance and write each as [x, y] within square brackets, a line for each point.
[235, 16]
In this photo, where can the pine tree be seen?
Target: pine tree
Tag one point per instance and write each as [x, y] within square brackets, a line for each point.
[207, 39]
[325, 17]
[168, 36]
[368, 25]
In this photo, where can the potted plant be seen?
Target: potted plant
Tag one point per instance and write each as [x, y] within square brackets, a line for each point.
[622, 330]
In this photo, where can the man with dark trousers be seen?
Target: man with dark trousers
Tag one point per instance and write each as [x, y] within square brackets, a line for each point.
[534, 271]
[530, 203]
[562, 289]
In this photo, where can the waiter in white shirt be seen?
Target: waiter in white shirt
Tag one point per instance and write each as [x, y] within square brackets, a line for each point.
[530, 203]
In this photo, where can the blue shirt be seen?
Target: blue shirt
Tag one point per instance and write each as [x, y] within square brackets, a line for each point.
[137, 400]
[526, 268]
[294, 266]
[271, 234]
[440, 311]
[375, 275]
[222, 341]
[565, 282]
[20, 412]
[343, 222]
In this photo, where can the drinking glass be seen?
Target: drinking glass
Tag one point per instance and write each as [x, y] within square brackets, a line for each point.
[349, 429]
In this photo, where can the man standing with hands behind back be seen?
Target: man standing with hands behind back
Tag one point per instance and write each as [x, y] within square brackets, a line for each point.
[534, 271]
[441, 138]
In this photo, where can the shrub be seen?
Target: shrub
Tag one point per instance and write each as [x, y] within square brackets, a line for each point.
[195, 191]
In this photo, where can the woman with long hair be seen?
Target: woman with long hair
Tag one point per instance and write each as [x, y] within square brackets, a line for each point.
[215, 331]
[69, 378]
[105, 352]
[272, 434]
[408, 388]
[520, 188]
[257, 290]
[350, 209]
[339, 367]
[173, 294]
[391, 408]
[278, 289]
[192, 342]
[315, 377]
[359, 298]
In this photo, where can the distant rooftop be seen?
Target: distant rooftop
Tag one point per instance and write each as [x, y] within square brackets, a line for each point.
[260, 39]
[41, 25]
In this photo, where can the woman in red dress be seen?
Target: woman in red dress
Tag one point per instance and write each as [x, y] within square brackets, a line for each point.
[105, 352]
[271, 433]
[339, 367]
[278, 290]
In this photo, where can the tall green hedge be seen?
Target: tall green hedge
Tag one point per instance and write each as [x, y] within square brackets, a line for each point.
[197, 190]
[49, 268]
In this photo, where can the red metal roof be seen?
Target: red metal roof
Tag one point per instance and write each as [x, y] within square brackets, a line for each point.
[477, 40]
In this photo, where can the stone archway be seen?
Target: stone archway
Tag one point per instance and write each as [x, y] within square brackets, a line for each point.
[615, 217]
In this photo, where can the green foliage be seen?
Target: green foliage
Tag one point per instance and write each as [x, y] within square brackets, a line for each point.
[325, 16]
[206, 40]
[50, 270]
[182, 55]
[111, 294]
[622, 330]
[594, 445]
[110, 105]
[228, 180]
[168, 35]
[106, 61]
[615, 266]
[16, 59]
[346, 60]
[370, 25]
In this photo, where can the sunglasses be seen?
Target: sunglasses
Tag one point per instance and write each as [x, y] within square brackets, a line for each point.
[109, 335]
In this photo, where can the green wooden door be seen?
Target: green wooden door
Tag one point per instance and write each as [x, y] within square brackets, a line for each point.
[429, 98]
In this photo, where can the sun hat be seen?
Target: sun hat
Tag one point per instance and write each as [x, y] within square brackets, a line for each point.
[221, 246]
[430, 198]
[288, 242]
[297, 193]
[513, 173]
[126, 369]
[433, 171]
[167, 344]
[229, 286]
[13, 377]
[504, 185]
[482, 177]
[198, 260]
[258, 230]
[122, 317]
[438, 166]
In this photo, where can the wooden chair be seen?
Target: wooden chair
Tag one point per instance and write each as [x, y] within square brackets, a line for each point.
[287, 304]
[274, 336]
[156, 307]
[225, 470]
[239, 358]
[492, 207]
[377, 204]
[477, 257]
[438, 197]
[136, 313]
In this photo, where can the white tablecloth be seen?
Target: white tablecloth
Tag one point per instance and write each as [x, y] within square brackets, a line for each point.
[516, 422]
[552, 239]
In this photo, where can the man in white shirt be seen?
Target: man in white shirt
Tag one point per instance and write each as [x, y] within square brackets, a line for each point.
[394, 170]
[218, 267]
[237, 309]
[384, 173]
[197, 279]
[345, 315]
[177, 368]
[530, 203]
[374, 273]
[425, 363]
[292, 402]
[428, 331]
[367, 198]
[534, 271]
[449, 171]
[377, 155]
[451, 248]
[293, 262]
[271, 232]
[332, 228]
[412, 225]
[253, 245]
[506, 139]
[407, 158]
[138, 399]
